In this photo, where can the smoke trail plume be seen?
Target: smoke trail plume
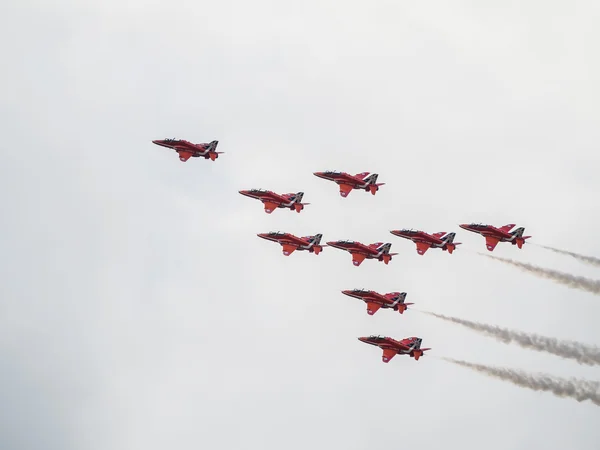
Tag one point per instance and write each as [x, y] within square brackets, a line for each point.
[586, 259]
[581, 353]
[573, 281]
[579, 390]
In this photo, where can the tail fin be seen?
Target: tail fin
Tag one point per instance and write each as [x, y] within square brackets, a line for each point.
[416, 350]
[212, 153]
[384, 249]
[314, 245]
[518, 232]
[297, 198]
[316, 239]
[449, 238]
[449, 243]
[371, 179]
[399, 301]
[371, 183]
[517, 237]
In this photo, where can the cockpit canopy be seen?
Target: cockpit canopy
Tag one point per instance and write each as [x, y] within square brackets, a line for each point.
[171, 140]
[478, 225]
[258, 191]
[373, 336]
[332, 172]
[276, 233]
[346, 242]
[407, 231]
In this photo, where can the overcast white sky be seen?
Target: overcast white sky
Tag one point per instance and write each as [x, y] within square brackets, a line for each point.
[138, 309]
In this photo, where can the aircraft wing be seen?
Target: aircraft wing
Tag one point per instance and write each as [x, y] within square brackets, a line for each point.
[270, 206]
[288, 249]
[388, 354]
[358, 258]
[491, 242]
[345, 189]
[372, 308]
[422, 247]
[184, 156]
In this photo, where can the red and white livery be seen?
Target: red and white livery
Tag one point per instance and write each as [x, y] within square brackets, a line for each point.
[425, 241]
[272, 201]
[360, 251]
[365, 180]
[291, 243]
[494, 235]
[410, 346]
[374, 300]
[187, 150]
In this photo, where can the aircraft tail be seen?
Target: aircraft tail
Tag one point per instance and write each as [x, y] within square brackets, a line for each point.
[315, 244]
[371, 184]
[297, 198]
[416, 350]
[399, 301]
[517, 237]
[450, 245]
[212, 153]
[384, 254]
[384, 249]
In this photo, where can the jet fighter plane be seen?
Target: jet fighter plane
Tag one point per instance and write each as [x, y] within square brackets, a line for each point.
[348, 182]
[271, 200]
[375, 300]
[290, 243]
[391, 347]
[494, 235]
[360, 251]
[424, 241]
[188, 150]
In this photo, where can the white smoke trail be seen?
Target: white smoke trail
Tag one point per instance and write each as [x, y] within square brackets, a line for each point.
[581, 353]
[583, 258]
[579, 390]
[573, 281]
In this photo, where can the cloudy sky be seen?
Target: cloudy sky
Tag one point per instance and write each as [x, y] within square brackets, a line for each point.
[138, 309]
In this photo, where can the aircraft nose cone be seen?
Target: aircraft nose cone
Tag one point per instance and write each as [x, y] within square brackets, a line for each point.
[464, 226]
[362, 339]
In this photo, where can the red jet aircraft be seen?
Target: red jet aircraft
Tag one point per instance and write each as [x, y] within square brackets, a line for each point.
[348, 182]
[290, 243]
[494, 235]
[424, 241]
[391, 347]
[188, 150]
[375, 300]
[360, 252]
[272, 200]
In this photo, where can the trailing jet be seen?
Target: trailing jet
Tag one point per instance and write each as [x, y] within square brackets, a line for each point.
[271, 200]
[188, 150]
[391, 347]
[375, 300]
[291, 243]
[360, 252]
[424, 241]
[349, 182]
[494, 235]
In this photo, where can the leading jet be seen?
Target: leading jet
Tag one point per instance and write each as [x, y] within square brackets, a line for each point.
[187, 150]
